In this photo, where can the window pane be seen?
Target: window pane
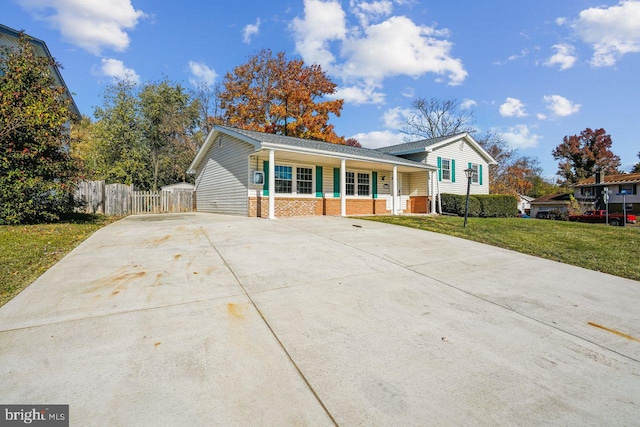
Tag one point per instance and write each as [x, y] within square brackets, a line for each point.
[304, 180]
[474, 175]
[283, 177]
[363, 184]
[350, 182]
[446, 170]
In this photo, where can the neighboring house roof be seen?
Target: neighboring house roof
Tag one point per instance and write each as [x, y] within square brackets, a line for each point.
[9, 37]
[435, 143]
[625, 178]
[526, 198]
[261, 140]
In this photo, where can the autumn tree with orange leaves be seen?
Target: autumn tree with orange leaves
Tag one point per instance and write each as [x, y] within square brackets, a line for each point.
[270, 93]
[581, 156]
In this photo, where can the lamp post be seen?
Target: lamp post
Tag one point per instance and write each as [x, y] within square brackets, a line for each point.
[468, 173]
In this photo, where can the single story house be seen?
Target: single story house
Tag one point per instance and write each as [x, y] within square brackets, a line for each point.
[267, 175]
[555, 204]
[524, 203]
[620, 187]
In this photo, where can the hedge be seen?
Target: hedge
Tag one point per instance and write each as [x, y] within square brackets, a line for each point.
[481, 205]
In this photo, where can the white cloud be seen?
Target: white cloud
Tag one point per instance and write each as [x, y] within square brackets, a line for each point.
[358, 95]
[398, 46]
[250, 31]
[377, 139]
[564, 56]
[373, 11]
[364, 55]
[612, 32]
[560, 106]
[91, 25]
[323, 22]
[115, 69]
[467, 104]
[512, 107]
[394, 118]
[541, 116]
[201, 73]
[561, 21]
[520, 137]
[408, 92]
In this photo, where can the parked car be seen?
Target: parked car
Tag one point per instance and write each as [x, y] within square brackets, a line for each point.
[600, 217]
[549, 215]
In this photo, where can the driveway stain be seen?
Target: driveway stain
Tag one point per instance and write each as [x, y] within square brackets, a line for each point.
[235, 311]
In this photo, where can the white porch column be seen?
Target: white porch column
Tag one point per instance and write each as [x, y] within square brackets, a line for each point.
[432, 179]
[343, 187]
[272, 184]
[394, 192]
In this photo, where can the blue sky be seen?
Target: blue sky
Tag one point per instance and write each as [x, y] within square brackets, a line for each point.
[533, 71]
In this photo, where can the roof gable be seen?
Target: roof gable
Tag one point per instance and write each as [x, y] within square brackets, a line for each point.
[433, 144]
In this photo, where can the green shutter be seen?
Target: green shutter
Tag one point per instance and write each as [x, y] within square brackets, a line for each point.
[453, 170]
[480, 174]
[374, 184]
[265, 169]
[318, 181]
[439, 168]
[336, 182]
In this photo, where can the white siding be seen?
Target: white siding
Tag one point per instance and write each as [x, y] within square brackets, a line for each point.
[418, 185]
[222, 177]
[462, 158]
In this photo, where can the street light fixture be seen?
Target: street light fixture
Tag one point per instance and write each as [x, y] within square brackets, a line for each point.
[468, 173]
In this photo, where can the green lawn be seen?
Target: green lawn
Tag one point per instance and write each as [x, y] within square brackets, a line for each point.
[608, 249]
[27, 251]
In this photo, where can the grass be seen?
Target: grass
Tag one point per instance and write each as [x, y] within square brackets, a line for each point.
[596, 247]
[27, 251]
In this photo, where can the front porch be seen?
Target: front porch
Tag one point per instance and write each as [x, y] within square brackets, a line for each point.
[304, 184]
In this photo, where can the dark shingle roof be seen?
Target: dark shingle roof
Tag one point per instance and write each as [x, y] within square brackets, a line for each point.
[323, 146]
[416, 145]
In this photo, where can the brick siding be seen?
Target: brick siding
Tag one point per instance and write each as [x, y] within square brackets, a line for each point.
[288, 206]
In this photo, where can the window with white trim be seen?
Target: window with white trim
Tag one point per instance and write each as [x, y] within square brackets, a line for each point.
[358, 183]
[293, 179]
[304, 180]
[446, 169]
[284, 179]
[475, 175]
[363, 184]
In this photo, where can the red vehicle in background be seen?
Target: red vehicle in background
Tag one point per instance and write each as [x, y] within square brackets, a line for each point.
[600, 217]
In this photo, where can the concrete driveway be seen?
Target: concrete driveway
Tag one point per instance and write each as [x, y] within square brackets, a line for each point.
[201, 319]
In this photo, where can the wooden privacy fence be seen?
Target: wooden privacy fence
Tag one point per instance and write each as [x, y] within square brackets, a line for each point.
[121, 199]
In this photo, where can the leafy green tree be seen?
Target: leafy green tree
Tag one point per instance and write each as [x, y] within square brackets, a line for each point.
[36, 170]
[636, 168]
[120, 153]
[169, 121]
[144, 135]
